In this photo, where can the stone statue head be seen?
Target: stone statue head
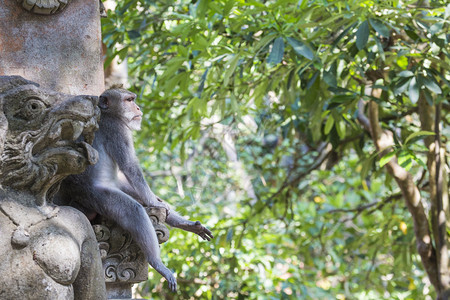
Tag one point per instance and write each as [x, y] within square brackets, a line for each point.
[44, 136]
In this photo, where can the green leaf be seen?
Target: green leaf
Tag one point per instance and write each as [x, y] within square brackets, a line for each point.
[229, 235]
[264, 42]
[413, 90]
[379, 27]
[227, 7]
[340, 128]
[343, 98]
[343, 34]
[200, 43]
[329, 124]
[126, 7]
[201, 86]
[202, 5]
[386, 158]
[366, 166]
[428, 97]
[259, 93]
[172, 67]
[134, 34]
[276, 55]
[436, 27]
[230, 70]
[405, 160]
[301, 48]
[402, 62]
[412, 34]
[417, 134]
[401, 86]
[418, 160]
[380, 48]
[430, 83]
[122, 53]
[406, 73]
[362, 35]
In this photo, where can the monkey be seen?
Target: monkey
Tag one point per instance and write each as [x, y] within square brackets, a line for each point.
[115, 186]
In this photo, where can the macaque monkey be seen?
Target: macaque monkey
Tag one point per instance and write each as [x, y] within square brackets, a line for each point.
[115, 187]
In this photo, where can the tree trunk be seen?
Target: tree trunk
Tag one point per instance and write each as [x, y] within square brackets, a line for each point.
[434, 260]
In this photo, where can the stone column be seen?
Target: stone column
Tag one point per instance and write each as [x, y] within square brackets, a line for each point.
[56, 43]
[123, 261]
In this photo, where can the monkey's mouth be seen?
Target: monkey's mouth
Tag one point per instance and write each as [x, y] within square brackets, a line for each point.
[70, 137]
[138, 117]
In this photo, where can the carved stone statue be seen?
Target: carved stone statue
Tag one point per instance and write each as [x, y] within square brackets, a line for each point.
[47, 252]
[50, 7]
[45, 7]
[124, 263]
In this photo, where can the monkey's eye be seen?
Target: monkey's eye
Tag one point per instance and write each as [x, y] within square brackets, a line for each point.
[32, 108]
[130, 99]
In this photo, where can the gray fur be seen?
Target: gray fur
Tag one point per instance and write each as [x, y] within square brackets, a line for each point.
[116, 188]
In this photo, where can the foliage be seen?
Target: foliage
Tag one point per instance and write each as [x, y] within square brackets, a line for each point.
[283, 80]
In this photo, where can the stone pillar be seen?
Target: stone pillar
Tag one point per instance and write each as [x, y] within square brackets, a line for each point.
[123, 261]
[56, 43]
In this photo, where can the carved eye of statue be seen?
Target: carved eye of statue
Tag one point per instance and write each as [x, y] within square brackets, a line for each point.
[32, 108]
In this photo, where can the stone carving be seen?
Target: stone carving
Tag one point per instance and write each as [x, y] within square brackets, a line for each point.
[50, 7]
[44, 7]
[123, 261]
[47, 252]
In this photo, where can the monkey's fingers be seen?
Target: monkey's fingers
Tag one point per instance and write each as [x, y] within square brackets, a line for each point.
[209, 234]
[206, 234]
[202, 231]
[205, 237]
[172, 285]
[161, 204]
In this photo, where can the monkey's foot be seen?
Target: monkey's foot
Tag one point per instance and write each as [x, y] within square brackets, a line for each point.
[166, 273]
[158, 203]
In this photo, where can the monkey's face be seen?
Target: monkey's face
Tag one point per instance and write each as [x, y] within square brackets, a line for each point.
[133, 114]
[120, 104]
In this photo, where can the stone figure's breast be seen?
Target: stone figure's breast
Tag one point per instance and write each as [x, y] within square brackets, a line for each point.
[58, 254]
[43, 269]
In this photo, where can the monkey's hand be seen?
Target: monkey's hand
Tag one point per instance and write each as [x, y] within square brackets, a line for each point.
[197, 228]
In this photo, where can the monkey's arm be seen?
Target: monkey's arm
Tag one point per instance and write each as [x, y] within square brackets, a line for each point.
[129, 166]
[175, 220]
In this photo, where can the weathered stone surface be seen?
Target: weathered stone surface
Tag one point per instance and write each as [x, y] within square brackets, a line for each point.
[47, 252]
[62, 51]
[123, 261]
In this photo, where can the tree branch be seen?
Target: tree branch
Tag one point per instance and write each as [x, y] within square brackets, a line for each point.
[378, 205]
[441, 241]
[317, 163]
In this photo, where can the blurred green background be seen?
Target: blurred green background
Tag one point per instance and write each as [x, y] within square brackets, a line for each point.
[251, 126]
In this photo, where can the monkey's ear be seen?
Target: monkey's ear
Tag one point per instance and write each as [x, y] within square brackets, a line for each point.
[103, 102]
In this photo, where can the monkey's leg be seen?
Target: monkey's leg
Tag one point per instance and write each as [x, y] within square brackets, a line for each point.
[125, 187]
[131, 216]
[128, 189]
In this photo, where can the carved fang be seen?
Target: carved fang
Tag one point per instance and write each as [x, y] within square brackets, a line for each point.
[78, 128]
